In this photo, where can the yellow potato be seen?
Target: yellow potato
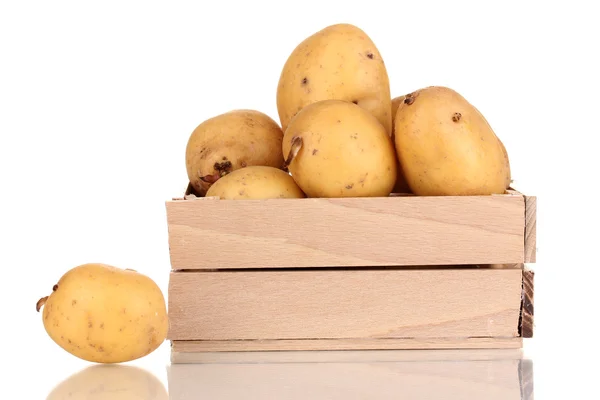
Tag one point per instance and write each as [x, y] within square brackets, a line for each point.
[110, 382]
[447, 147]
[255, 182]
[337, 62]
[401, 185]
[338, 149]
[229, 141]
[105, 314]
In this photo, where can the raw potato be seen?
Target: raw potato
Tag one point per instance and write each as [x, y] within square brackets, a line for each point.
[338, 62]
[110, 382]
[401, 186]
[338, 149]
[256, 182]
[446, 146]
[105, 314]
[230, 141]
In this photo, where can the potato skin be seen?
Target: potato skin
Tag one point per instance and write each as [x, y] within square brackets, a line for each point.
[229, 141]
[105, 314]
[338, 62]
[346, 152]
[256, 182]
[447, 147]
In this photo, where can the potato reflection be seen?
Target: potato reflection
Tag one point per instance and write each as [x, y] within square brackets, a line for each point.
[114, 382]
[385, 375]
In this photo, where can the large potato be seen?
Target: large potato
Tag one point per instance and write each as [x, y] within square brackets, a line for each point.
[256, 182]
[338, 62]
[229, 141]
[338, 149]
[104, 314]
[447, 147]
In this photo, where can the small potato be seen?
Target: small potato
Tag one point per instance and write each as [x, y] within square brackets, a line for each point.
[229, 141]
[256, 182]
[339, 62]
[338, 149]
[104, 314]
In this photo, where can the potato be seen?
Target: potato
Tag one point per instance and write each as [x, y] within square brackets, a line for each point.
[229, 141]
[256, 182]
[401, 186]
[447, 147]
[338, 149]
[105, 314]
[110, 382]
[339, 62]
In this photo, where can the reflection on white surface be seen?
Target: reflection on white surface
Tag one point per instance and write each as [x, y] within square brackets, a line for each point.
[114, 382]
[427, 374]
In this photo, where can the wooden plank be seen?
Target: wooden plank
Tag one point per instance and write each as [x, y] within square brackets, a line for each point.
[450, 379]
[527, 305]
[530, 228]
[183, 352]
[346, 232]
[348, 304]
[197, 346]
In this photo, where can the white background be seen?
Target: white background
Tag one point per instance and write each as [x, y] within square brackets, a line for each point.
[97, 103]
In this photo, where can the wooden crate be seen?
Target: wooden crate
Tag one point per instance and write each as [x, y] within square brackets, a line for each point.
[400, 272]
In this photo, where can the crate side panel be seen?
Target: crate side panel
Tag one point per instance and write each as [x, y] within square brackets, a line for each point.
[329, 304]
[289, 233]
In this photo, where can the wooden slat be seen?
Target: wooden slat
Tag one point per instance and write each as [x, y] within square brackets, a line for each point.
[451, 379]
[530, 228]
[184, 346]
[208, 233]
[345, 304]
[527, 308]
[183, 352]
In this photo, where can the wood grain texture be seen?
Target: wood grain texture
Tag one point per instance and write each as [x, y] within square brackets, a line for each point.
[208, 233]
[189, 346]
[527, 305]
[449, 379]
[530, 228]
[348, 304]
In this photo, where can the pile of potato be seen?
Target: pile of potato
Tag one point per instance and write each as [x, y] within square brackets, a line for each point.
[341, 134]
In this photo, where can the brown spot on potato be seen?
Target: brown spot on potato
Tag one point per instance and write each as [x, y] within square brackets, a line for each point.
[350, 186]
[456, 117]
[54, 288]
[409, 99]
[305, 81]
[90, 325]
[241, 192]
[315, 151]
[243, 164]
[354, 136]
[355, 101]
[73, 302]
[69, 341]
[370, 55]
[102, 325]
[101, 349]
